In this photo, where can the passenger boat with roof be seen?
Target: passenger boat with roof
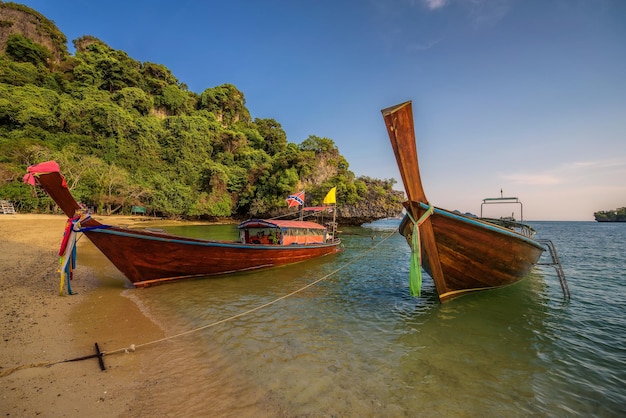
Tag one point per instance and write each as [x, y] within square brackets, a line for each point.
[149, 257]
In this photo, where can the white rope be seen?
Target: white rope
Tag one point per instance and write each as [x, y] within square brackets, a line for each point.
[133, 347]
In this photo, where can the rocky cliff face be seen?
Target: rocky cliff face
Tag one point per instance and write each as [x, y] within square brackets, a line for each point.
[372, 208]
[19, 19]
[369, 210]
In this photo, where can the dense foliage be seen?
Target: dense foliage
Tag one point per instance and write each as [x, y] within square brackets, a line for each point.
[129, 133]
[618, 215]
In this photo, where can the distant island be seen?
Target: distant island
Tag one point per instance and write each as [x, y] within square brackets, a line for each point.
[617, 215]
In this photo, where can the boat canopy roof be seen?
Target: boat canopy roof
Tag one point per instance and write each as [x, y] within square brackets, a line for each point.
[501, 199]
[318, 208]
[282, 224]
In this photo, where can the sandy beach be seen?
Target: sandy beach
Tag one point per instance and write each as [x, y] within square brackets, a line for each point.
[40, 327]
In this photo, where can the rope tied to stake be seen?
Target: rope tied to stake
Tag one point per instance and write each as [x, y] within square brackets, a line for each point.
[100, 354]
[415, 272]
[133, 347]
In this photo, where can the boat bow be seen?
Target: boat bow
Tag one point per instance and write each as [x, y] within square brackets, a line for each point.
[462, 254]
[401, 130]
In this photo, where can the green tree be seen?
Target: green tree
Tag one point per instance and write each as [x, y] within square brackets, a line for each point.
[19, 73]
[319, 145]
[275, 138]
[226, 102]
[133, 98]
[157, 77]
[175, 100]
[29, 105]
[22, 49]
[104, 67]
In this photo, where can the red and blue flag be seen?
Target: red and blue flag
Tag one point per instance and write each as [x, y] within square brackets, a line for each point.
[295, 199]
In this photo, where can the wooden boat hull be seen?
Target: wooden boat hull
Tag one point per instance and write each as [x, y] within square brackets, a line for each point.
[476, 255]
[147, 258]
[461, 254]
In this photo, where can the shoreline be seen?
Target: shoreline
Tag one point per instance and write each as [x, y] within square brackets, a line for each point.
[41, 327]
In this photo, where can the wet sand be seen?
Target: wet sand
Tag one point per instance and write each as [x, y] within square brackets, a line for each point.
[38, 327]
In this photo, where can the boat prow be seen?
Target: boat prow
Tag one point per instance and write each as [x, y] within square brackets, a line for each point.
[462, 254]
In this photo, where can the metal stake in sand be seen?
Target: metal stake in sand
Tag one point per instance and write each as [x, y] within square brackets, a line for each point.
[98, 354]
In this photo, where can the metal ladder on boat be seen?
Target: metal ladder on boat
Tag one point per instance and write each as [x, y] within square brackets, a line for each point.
[556, 263]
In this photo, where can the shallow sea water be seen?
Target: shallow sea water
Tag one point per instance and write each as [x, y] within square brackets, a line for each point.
[356, 344]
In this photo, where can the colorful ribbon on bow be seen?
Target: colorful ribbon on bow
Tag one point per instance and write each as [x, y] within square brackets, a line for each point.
[415, 273]
[67, 252]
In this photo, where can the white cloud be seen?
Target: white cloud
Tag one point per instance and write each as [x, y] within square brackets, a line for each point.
[532, 179]
[423, 46]
[481, 12]
[608, 164]
[435, 4]
[488, 12]
[594, 172]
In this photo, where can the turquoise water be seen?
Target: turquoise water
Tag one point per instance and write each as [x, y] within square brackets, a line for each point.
[357, 344]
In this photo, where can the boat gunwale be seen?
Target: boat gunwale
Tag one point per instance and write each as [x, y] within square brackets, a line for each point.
[483, 224]
[175, 239]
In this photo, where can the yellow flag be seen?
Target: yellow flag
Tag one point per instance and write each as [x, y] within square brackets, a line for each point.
[331, 197]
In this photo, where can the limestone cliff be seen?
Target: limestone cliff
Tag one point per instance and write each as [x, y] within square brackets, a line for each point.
[22, 20]
[371, 209]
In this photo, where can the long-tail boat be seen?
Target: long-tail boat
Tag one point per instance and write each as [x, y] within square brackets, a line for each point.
[462, 254]
[147, 257]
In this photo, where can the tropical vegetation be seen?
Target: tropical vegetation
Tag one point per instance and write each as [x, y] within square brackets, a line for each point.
[617, 215]
[129, 133]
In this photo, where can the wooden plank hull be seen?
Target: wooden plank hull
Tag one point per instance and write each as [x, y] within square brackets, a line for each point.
[476, 255]
[150, 258]
[147, 258]
[462, 254]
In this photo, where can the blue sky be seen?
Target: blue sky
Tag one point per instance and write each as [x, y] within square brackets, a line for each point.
[528, 96]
